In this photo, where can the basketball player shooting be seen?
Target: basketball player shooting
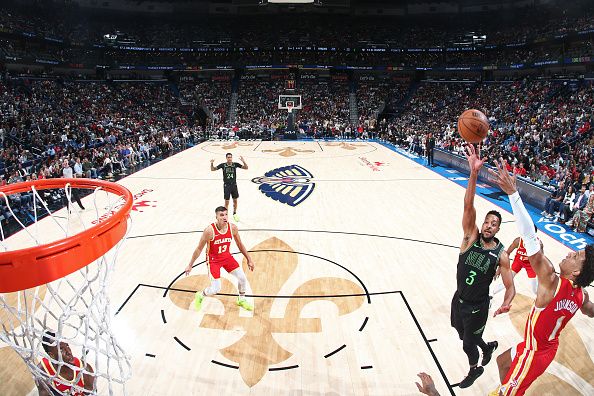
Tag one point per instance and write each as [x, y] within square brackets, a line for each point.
[480, 255]
[558, 297]
[217, 238]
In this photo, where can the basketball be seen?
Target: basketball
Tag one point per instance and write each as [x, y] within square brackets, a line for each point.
[473, 126]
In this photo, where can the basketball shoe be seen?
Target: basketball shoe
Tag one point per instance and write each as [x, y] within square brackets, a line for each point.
[489, 353]
[198, 300]
[473, 374]
[242, 302]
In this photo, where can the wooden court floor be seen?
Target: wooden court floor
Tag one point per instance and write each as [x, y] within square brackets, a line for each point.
[355, 249]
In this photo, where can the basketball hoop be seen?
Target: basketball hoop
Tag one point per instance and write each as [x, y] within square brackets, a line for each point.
[59, 284]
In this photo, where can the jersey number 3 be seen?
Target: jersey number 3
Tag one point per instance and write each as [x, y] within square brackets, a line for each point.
[470, 279]
[222, 249]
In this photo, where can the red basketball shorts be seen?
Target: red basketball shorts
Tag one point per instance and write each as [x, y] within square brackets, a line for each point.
[228, 263]
[518, 264]
[526, 367]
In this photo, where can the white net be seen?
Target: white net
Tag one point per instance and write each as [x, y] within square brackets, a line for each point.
[62, 330]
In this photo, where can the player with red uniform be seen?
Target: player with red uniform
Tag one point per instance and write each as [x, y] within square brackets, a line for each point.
[558, 298]
[520, 262]
[61, 381]
[217, 238]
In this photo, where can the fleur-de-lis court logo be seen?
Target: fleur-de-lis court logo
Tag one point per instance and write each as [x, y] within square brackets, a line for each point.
[345, 145]
[290, 185]
[233, 145]
[257, 350]
[288, 151]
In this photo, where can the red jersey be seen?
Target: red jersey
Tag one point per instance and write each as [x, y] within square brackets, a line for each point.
[60, 386]
[218, 247]
[521, 253]
[544, 324]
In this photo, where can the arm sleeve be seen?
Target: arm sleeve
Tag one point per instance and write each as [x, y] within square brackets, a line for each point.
[525, 224]
[219, 166]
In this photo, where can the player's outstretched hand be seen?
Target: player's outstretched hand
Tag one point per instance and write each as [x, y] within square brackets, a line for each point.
[474, 157]
[506, 182]
[211, 161]
[188, 269]
[427, 386]
[250, 264]
[502, 309]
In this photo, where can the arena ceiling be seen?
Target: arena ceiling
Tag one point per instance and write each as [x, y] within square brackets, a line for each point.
[363, 7]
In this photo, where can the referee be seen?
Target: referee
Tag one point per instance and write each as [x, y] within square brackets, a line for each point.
[230, 180]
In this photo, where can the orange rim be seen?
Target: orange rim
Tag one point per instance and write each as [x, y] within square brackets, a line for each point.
[34, 266]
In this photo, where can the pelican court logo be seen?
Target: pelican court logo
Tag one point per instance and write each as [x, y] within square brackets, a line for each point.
[290, 185]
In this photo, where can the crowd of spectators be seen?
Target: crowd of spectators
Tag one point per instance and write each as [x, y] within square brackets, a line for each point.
[212, 94]
[542, 128]
[101, 129]
[374, 95]
[325, 106]
[326, 110]
[257, 104]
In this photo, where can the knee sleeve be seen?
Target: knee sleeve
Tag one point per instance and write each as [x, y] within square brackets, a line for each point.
[214, 288]
[534, 284]
[241, 280]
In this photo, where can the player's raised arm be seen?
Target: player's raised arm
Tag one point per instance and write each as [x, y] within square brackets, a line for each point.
[207, 235]
[245, 165]
[469, 217]
[212, 167]
[542, 266]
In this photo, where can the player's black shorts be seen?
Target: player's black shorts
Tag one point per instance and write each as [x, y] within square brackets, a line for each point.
[231, 191]
[469, 318]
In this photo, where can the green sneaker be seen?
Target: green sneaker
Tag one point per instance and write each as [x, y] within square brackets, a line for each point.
[235, 217]
[198, 300]
[242, 302]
